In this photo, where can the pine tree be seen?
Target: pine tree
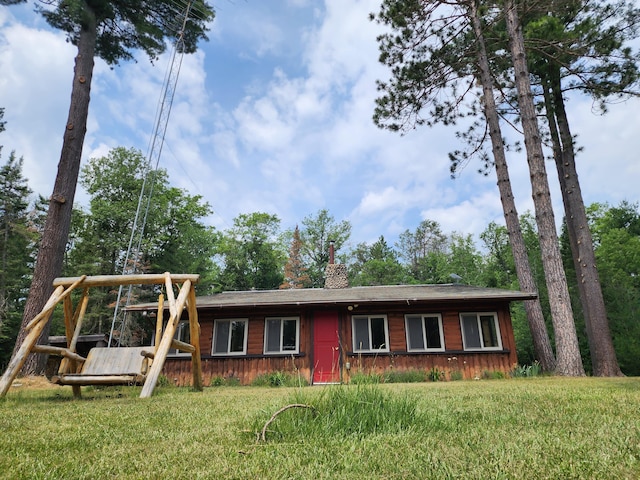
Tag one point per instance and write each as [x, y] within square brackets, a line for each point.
[295, 273]
[111, 31]
[16, 244]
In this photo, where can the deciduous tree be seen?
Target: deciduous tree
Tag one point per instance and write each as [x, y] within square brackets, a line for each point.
[250, 253]
[316, 233]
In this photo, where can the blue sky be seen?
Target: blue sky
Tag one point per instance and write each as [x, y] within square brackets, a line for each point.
[273, 114]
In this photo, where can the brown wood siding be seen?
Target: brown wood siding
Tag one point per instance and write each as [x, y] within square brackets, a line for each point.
[470, 365]
[508, 339]
[255, 363]
[206, 337]
[452, 331]
[255, 339]
[397, 336]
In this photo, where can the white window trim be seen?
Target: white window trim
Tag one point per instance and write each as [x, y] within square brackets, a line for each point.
[385, 348]
[424, 332]
[482, 347]
[282, 352]
[244, 343]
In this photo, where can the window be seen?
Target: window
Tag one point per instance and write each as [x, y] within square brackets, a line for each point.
[281, 335]
[370, 333]
[230, 337]
[182, 334]
[480, 331]
[424, 332]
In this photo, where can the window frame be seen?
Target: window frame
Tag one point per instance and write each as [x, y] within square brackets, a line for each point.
[385, 348]
[281, 351]
[183, 326]
[422, 316]
[244, 341]
[482, 346]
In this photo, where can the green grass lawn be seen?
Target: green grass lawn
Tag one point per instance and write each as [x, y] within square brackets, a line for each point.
[535, 428]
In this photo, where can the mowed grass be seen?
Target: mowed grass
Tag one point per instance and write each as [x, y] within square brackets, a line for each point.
[554, 428]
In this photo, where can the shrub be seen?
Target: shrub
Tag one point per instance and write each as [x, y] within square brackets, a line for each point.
[532, 370]
[404, 376]
[163, 381]
[493, 375]
[435, 375]
[455, 375]
[359, 378]
[279, 379]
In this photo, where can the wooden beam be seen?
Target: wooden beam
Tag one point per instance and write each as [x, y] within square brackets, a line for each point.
[79, 379]
[53, 301]
[16, 363]
[64, 352]
[167, 338]
[78, 317]
[115, 280]
[183, 346]
[47, 309]
[159, 321]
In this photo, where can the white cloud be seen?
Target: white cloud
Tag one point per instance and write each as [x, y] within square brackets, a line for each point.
[288, 131]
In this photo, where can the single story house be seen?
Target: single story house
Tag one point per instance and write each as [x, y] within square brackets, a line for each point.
[325, 335]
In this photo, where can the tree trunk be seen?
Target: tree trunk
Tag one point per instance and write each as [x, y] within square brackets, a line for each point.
[603, 355]
[56, 229]
[537, 326]
[568, 360]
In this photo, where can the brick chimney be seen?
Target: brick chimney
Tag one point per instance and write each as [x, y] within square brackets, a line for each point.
[335, 276]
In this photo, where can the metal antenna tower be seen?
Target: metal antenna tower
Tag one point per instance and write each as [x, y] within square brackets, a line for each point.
[133, 258]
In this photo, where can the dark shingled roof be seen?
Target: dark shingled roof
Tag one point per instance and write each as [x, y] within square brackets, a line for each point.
[375, 294]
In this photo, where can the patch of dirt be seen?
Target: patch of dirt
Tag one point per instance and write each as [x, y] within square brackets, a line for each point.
[32, 382]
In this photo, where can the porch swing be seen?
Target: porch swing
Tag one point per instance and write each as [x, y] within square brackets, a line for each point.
[116, 365]
[121, 365]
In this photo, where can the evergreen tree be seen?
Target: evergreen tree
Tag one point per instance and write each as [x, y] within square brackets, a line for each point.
[560, 37]
[376, 264]
[111, 31]
[568, 360]
[16, 250]
[295, 273]
[437, 53]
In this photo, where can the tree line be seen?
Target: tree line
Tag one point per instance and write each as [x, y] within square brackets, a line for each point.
[480, 64]
[257, 253]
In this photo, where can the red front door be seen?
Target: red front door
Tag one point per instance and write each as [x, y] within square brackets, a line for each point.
[326, 348]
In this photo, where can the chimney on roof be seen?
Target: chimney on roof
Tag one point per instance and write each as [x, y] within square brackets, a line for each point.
[335, 275]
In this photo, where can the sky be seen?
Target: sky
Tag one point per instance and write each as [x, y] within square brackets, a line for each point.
[274, 114]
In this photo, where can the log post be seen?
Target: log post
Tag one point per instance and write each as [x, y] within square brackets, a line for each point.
[194, 331]
[30, 340]
[175, 307]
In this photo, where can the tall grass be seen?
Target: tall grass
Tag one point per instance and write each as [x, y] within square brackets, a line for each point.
[345, 411]
[525, 428]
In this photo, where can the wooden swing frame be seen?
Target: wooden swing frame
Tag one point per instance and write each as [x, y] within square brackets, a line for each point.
[117, 366]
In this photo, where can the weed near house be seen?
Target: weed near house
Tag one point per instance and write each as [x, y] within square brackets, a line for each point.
[279, 379]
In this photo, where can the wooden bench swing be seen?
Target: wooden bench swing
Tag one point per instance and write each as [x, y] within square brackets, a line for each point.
[113, 365]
